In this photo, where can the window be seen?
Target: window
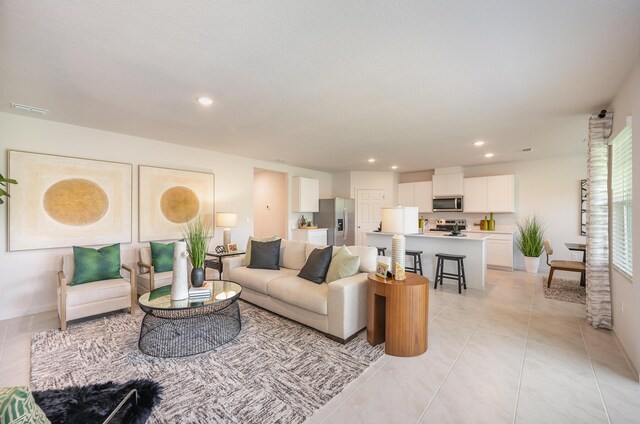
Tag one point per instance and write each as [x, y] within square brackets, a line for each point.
[621, 219]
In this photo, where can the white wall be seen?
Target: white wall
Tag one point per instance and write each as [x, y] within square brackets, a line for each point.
[548, 188]
[28, 282]
[627, 325]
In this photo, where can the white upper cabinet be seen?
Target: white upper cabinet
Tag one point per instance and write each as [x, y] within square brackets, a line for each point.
[475, 195]
[501, 193]
[489, 194]
[448, 184]
[418, 194]
[305, 194]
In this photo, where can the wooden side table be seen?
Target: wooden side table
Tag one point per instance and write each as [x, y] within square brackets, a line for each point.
[399, 314]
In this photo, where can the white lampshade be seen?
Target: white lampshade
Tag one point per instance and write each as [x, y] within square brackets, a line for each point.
[400, 220]
[226, 219]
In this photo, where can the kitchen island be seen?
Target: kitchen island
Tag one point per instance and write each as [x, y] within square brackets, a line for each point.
[474, 246]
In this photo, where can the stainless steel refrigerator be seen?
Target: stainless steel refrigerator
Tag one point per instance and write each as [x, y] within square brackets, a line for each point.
[338, 215]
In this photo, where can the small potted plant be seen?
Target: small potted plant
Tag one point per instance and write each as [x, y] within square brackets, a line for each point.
[197, 236]
[530, 242]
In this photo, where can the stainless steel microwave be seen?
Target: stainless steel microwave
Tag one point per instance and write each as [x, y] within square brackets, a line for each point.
[447, 204]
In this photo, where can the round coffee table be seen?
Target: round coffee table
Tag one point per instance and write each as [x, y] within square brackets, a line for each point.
[175, 328]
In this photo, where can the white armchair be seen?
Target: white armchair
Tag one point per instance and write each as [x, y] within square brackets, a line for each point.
[87, 299]
[148, 279]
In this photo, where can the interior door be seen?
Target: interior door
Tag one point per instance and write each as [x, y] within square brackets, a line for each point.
[369, 214]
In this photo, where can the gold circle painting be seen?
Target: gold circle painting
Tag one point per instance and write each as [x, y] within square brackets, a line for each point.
[179, 204]
[76, 201]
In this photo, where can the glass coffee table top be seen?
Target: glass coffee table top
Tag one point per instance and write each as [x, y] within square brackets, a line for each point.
[160, 299]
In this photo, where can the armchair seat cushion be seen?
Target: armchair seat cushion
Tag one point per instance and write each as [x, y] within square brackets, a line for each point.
[297, 291]
[97, 291]
[160, 279]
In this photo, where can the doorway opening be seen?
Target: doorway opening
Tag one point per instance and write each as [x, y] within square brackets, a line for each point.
[270, 203]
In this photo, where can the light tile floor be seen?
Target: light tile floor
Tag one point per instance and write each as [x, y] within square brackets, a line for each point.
[505, 354]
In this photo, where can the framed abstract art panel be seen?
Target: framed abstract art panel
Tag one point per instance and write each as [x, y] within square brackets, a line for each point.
[62, 201]
[169, 198]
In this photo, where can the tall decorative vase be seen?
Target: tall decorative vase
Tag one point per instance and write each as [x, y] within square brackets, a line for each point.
[398, 253]
[531, 264]
[180, 283]
[197, 277]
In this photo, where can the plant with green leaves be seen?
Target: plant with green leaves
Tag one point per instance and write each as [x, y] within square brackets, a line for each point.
[3, 185]
[530, 237]
[197, 236]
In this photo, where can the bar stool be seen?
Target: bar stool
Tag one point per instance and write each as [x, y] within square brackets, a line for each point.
[440, 274]
[381, 251]
[417, 261]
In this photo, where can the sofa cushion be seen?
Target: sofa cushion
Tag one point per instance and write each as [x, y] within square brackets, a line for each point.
[96, 264]
[343, 265]
[265, 255]
[368, 257]
[96, 291]
[299, 292]
[162, 256]
[317, 265]
[294, 254]
[247, 254]
[256, 279]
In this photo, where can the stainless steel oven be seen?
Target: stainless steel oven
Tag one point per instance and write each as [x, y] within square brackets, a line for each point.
[447, 204]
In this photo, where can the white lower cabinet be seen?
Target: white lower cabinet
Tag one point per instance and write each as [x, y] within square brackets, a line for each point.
[500, 251]
[314, 236]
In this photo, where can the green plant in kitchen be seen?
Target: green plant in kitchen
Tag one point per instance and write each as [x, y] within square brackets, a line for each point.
[530, 242]
[197, 236]
[3, 186]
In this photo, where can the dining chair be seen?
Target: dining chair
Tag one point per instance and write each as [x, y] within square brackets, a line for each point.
[573, 266]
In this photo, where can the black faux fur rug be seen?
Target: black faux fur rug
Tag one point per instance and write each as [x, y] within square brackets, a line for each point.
[94, 403]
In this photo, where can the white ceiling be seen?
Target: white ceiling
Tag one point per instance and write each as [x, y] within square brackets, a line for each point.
[326, 84]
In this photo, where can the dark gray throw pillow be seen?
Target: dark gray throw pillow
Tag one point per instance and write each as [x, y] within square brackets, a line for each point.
[317, 265]
[265, 255]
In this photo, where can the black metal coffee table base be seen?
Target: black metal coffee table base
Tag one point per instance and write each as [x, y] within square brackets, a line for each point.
[185, 332]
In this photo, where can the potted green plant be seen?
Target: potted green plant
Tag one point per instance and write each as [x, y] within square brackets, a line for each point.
[197, 236]
[530, 242]
[3, 185]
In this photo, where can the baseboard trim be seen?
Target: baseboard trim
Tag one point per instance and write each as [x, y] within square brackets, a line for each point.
[29, 311]
[627, 357]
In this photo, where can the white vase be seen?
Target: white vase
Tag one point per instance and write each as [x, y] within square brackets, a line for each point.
[180, 283]
[531, 264]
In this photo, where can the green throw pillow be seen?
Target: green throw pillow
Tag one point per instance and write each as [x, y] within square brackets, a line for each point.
[95, 265]
[247, 255]
[343, 265]
[18, 406]
[162, 256]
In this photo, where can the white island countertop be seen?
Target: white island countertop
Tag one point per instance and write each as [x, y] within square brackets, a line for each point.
[473, 246]
[441, 234]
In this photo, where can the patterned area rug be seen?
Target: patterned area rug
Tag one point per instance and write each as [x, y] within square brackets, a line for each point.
[565, 290]
[275, 370]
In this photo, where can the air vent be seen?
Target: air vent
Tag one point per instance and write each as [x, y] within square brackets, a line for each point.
[30, 109]
[527, 149]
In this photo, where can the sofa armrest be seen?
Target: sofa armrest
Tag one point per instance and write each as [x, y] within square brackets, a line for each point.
[232, 262]
[347, 305]
[62, 302]
[132, 282]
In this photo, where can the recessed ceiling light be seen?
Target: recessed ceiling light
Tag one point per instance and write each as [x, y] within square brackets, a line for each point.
[205, 101]
[394, 167]
[478, 143]
[372, 160]
[488, 155]
[282, 160]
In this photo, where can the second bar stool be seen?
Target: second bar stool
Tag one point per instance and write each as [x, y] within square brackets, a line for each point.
[440, 274]
[417, 261]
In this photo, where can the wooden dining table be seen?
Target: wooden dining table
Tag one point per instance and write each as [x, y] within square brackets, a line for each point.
[578, 247]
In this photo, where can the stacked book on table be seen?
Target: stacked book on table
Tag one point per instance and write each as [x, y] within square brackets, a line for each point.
[200, 293]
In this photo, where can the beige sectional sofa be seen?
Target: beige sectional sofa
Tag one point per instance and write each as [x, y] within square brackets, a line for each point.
[338, 309]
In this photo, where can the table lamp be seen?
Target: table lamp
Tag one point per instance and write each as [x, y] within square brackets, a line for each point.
[399, 221]
[226, 220]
